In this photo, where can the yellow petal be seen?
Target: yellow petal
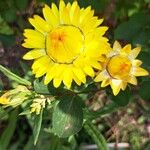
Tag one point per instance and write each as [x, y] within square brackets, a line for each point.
[40, 24]
[123, 86]
[68, 6]
[95, 64]
[126, 49]
[136, 62]
[76, 79]
[42, 66]
[59, 70]
[50, 74]
[33, 43]
[105, 82]
[85, 14]
[116, 86]
[65, 16]
[41, 71]
[33, 34]
[57, 82]
[100, 31]
[92, 23]
[132, 80]
[140, 72]
[35, 70]
[67, 77]
[75, 13]
[61, 8]
[55, 9]
[134, 53]
[116, 46]
[34, 39]
[89, 71]
[40, 62]
[36, 53]
[50, 17]
[101, 76]
[79, 74]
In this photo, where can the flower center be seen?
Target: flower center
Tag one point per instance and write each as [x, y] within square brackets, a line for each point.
[64, 44]
[119, 67]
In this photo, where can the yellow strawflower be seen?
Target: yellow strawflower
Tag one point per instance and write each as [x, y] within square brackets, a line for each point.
[121, 68]
[15, 97]
[66, 45]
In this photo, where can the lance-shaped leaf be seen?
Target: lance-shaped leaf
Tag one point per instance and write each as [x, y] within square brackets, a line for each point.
[13, 76]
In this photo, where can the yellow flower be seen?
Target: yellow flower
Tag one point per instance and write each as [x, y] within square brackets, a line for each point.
[66, 45]
[15, 97]
[120, 68]
[38, 104]
[4, 100]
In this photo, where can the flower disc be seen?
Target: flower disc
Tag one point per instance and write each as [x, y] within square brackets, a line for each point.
[119, 67]
[64, 44]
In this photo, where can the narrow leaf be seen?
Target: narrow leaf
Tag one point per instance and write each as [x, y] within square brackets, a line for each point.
[9, 131]
[97, 137]
[13, 76]
[37, 126]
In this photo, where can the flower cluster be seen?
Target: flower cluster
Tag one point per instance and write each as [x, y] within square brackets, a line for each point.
[69, 45]
[37, 105]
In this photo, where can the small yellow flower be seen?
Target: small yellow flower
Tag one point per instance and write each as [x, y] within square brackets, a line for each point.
[66, 45]
[37, 105]
[4, 100]
[121, 68]
[15, 97]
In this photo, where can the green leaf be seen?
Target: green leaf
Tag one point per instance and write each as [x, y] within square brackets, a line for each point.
[3, 113]
[37, 126]
[7, 40]
[9, 131]
[97, 137]
[123, 98]
[97, 5]
[40, 88]
[136, 30]
[21, 4]
[26, 112]
[144, 56]
[67, 116]
[127, 30]
[4, 27]
[13, 76]
[49, 89]
[1, 85]
[107, 109]
[10, 14]
[144, 90]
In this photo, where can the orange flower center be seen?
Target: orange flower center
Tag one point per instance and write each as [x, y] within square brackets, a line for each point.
[65, 43]
[119, 67]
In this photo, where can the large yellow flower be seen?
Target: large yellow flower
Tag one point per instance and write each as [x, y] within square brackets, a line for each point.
[67, 45]
[120, 68]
